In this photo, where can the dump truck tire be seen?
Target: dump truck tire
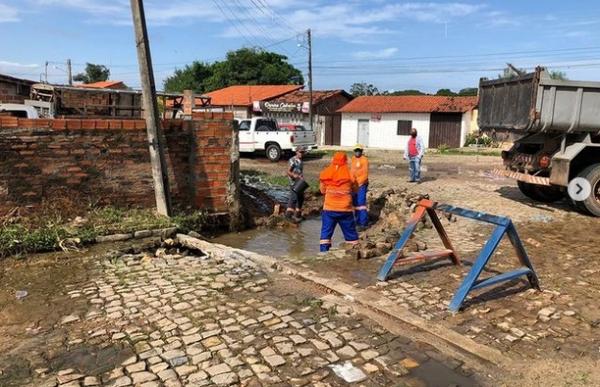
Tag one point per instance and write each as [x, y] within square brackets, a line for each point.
[541, 193]
[592, 203]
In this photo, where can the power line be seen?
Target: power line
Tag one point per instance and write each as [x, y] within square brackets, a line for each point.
[231, 21]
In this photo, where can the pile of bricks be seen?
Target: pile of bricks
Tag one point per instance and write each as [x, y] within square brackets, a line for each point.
[107, 162]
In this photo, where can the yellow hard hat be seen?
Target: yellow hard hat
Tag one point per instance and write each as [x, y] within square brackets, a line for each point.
[359, 146]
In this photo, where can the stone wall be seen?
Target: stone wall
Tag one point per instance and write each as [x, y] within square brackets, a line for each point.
[106, 162]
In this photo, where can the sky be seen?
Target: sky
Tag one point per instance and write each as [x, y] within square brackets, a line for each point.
[394, 45]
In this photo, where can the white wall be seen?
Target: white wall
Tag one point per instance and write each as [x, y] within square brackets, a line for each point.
[383, 133]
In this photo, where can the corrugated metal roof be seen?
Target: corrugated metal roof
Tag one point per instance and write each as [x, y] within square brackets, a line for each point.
[300, 96]
[409, 104]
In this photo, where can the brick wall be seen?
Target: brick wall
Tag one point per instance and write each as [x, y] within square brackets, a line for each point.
[13, 92]
[98, 161]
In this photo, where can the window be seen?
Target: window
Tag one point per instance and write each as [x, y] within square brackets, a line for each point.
[245, 125]
[404, 128]
[266, 126]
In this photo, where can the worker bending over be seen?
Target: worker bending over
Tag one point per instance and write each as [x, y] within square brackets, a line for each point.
[337, 184]
[360, 172]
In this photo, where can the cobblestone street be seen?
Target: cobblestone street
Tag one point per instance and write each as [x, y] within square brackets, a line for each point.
[180, 319]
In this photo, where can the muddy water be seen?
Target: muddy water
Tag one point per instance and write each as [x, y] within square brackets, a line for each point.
[300, 242]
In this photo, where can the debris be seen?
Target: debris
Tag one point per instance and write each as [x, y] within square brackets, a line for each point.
[21, 294]
[348, 372]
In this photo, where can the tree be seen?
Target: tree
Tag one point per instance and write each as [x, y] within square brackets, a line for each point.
[558, 75]
[93, 73]
[445, 92]
[363, 88]
[406, 92]
[509, 72]
[469, 91]
[246, 66]
[191, 77]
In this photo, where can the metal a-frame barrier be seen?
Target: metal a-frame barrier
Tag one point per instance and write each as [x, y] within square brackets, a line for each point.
[471, 282]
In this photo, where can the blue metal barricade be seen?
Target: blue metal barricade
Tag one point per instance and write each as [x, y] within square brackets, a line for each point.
[504, 226]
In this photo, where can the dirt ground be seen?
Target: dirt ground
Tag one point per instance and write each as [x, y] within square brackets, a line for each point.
[555, 330]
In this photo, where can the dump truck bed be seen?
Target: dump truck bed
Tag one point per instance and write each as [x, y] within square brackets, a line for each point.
[537, 103]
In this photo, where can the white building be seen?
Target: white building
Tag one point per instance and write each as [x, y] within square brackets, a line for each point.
[385, 121]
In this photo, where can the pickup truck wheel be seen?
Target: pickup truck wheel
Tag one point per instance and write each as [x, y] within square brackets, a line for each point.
[592, 203]
[273, 152]
[541, 193]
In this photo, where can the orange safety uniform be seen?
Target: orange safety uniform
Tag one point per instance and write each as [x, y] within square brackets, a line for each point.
[337, 184]
[360, 169]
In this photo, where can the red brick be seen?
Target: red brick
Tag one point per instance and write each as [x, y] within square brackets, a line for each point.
[115, 124]
[88, 124]
[73, 124]
[128, 124]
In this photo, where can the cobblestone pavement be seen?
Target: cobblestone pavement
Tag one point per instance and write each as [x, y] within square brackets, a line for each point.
[177, 319]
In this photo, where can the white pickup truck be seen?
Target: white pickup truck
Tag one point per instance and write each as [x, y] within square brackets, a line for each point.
[263, 134]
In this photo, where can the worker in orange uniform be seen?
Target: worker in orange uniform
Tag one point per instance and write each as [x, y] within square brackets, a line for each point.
[360, 172]
[337, 184]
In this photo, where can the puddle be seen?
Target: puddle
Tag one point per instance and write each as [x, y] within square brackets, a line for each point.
[92, 360]
[301, 242]
[436, 374]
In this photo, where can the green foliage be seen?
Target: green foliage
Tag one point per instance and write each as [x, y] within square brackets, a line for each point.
[469, 91]
[446, 92]
[476, 138]
[442, 148]
[404, 92]
[93, 73]
[363, 88]
[196, 221]
[509, 73]
[191, 77]
[558, 75]
[246, 66]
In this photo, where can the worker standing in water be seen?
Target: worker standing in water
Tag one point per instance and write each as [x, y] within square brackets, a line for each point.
[337, 184]
[295, 172]
[360, 172]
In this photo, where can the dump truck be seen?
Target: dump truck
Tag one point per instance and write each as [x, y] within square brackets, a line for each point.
[558, 128]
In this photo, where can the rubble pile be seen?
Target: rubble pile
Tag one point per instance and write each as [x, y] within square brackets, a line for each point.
[389, 210]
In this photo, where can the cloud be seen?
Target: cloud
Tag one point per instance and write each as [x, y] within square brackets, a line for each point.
[8, 14]
[377, 54]
[16, 65]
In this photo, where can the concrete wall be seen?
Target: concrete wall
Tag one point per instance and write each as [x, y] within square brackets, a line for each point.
[107, 162]
[383, 133]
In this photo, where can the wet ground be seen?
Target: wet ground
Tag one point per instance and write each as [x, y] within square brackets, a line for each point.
[556, 329]
[169, 317]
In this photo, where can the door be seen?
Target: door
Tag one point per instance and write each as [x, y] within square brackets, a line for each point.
[337, 129]
[246, 136]
[444, 130]
[328, 130]
[363, 132]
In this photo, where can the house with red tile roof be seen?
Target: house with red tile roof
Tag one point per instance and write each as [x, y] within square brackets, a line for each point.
[292, 109]
[240, 99]
[385, 121]
[117, 85]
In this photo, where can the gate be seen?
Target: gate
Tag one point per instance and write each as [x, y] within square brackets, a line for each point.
[444, 129]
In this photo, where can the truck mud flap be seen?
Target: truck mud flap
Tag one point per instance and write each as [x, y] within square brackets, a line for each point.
[522, 177]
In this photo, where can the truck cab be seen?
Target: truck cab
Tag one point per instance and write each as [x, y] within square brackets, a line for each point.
[260, 134]
[18, 110]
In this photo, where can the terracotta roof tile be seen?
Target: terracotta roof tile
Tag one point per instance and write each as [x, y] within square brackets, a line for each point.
[245, 95]
[410, 104]
[300, 96]
[103, 85]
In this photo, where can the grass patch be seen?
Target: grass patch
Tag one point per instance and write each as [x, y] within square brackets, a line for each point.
[469, 152]
[280, 181]
[48, 233]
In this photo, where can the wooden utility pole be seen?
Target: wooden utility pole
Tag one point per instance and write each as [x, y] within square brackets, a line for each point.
[155, 142]
[69, 72]
[310, 81]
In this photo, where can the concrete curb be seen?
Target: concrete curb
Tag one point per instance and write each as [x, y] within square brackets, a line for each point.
[366, 298]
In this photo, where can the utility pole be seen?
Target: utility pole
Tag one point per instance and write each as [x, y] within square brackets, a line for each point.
[46, 72]
[310, 82]
[69, 72]
[153, 130]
